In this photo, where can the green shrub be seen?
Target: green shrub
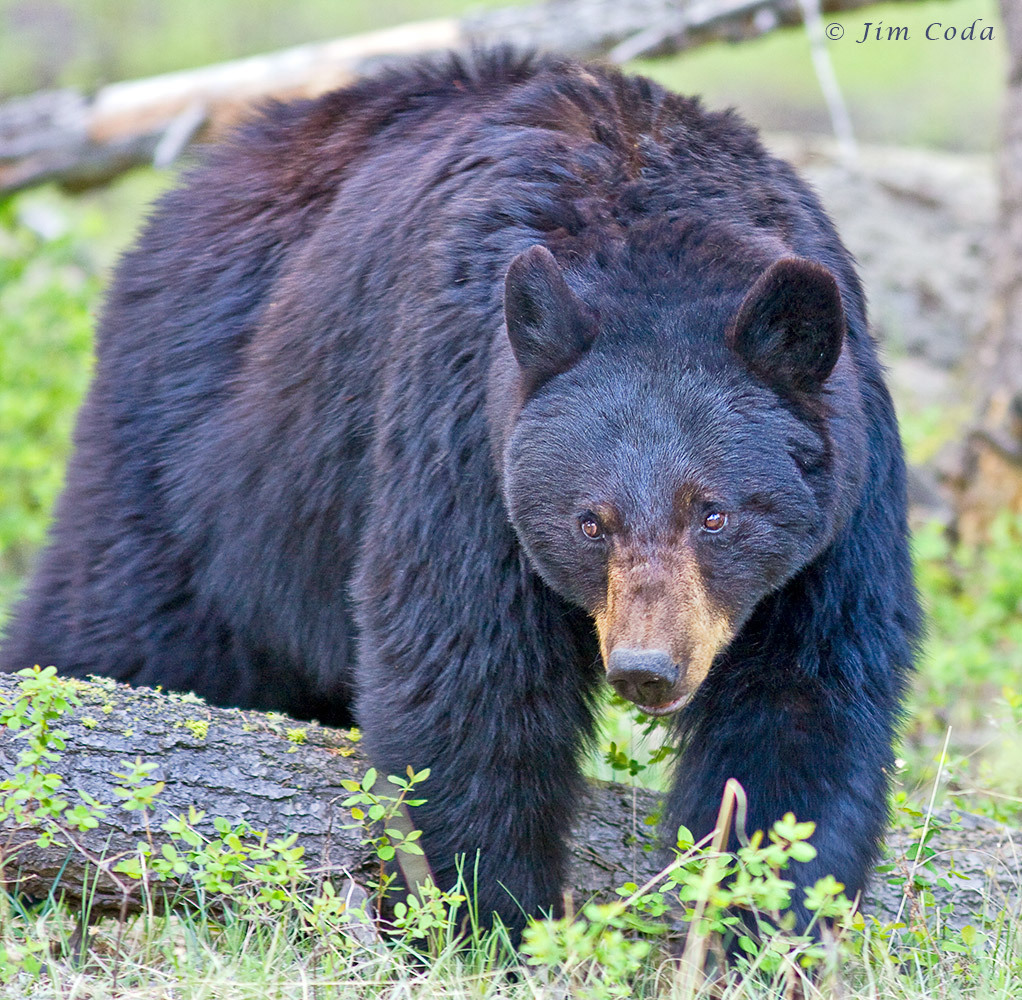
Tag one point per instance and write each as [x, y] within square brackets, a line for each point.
[47, 288]
[55, 251]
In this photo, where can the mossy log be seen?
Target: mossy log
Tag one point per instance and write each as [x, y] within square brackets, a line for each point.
[271, 772]
[284, 777]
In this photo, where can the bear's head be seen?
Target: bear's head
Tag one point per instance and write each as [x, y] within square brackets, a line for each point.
[669, 467]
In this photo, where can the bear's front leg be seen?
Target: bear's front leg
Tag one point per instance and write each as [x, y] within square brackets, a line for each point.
[803, 710]
[800, 749]
[490, 686]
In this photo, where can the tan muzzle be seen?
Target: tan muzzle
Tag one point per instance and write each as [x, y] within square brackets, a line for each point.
[659, 629]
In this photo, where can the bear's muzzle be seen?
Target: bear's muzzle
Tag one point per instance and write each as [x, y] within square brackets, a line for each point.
[659, 629]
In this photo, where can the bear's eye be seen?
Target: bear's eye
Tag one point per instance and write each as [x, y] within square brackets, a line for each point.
[590, 525]
[715, 522]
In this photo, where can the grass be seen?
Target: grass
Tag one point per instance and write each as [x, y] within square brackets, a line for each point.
[264, 959]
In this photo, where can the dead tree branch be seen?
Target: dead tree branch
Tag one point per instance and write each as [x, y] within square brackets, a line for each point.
[82, 141]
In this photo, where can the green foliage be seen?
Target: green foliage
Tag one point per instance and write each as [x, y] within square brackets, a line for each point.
[924, 869]
[23, 954]
[239, 862]
[33, 796]
[974, 602]
[594, 952]
[427, 913]
[383, 808]
[47, 287]
[134, 792]
[970, 668]
[54, 252]
[723, 896]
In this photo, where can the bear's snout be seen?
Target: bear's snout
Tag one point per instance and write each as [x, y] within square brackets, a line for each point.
[659, 628]
[644, 676]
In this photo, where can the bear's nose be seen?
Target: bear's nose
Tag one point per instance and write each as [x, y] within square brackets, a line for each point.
[645, 676]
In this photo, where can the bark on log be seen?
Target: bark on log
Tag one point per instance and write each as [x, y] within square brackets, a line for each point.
[247, 766]
[80, 141]
[244, 767]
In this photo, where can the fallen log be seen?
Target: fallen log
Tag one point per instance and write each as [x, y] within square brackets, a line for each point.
[82, 141]
[271, 772]
[285, 777]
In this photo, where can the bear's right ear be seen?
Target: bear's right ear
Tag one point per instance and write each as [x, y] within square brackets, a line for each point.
[548, 326]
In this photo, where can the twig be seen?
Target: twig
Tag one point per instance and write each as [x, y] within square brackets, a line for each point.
[694, 956]
[926, 825]
[840, 119]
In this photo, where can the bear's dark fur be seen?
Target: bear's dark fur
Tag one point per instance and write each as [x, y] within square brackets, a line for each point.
[417, 401]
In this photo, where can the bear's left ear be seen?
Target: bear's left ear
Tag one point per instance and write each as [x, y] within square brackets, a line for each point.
[549, 327]
[790, 327]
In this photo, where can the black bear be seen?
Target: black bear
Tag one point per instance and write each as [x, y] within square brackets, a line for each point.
[430, 402]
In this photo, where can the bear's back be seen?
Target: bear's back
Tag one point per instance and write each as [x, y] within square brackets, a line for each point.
[447, 170]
